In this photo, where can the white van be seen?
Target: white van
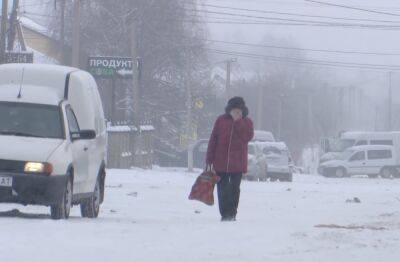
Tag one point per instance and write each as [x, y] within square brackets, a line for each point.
[52, 137]
[332, 148]
[371, 160]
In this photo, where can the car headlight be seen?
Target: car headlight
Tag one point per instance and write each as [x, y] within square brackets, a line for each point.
[37, 167]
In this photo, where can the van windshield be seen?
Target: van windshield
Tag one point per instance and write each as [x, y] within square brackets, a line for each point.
[30, 120]
[340, 145]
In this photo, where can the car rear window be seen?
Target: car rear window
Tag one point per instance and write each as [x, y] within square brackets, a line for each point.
[379, 154]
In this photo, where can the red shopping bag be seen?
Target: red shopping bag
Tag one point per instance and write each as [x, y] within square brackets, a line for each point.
[203, 188]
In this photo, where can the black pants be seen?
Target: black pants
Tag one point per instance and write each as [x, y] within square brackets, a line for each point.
[229, 194]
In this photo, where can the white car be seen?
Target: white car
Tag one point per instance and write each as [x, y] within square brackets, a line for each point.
[269, 160]
[371, 160]
[278, 161]
[53, 137]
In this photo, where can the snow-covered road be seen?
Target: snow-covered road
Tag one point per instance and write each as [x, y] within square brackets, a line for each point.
[147, 217]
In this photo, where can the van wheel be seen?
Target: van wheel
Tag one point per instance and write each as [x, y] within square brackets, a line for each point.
[373, 176]
[386, 173]
[340, 172]
[62, 209]
[90, 207]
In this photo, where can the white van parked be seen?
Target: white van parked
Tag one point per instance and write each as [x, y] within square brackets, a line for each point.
[53, 137]
[371, 160]
[332, 148]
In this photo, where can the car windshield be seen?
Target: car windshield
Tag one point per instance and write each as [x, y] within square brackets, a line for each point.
[340, 145]
[346, 154]
[272, 151]
[30, 120]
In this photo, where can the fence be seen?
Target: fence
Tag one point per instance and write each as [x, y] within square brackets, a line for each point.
[129, 147]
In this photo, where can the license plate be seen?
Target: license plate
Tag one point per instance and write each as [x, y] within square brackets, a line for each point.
[5, 181]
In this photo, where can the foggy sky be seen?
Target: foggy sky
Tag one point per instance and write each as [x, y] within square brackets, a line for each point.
[350, 39]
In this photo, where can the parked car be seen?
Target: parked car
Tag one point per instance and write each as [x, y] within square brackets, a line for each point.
[278, 161]
[51, 118]
[371, 160]
[269, 160]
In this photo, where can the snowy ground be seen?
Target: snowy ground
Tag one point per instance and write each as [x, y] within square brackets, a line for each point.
[147, 217]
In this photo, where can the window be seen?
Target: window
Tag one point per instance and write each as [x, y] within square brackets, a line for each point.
[361, 143]
[72, 122]
[359, 156]
[379, 154]
[382, 142]
[270, 150]
[30, 120]
[251, 149]
[203, 148]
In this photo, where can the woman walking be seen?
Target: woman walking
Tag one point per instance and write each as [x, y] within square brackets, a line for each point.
[227, 154]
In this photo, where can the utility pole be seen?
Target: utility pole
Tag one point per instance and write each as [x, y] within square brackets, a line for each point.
[135, 74]
[228, 72]
[62, 32]
[390, 102]
[280, 116]
[260, 106]
[4, 17]
[189, 122]
[136, 87]
[76, 34]
[260, 102]
[13, 25]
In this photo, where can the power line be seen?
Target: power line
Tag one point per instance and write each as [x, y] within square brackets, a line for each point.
[300, 49]
[353, 8]
[292, 20]
[307, 61]
[297, 14]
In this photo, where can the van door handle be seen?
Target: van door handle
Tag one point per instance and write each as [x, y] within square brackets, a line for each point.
[85, 148]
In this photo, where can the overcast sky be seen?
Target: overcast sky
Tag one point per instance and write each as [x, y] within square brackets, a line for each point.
[364, 40]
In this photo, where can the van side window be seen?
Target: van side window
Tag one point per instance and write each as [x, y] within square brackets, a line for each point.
[382, 142]
[361, 143]
[359, 156]
[72, 122]
[379, 154]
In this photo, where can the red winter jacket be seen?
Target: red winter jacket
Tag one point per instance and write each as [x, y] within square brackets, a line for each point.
[227, 148]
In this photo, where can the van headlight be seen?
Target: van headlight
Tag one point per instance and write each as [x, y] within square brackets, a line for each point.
[37, 167]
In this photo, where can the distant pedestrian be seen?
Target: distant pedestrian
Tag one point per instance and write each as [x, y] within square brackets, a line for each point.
[227, 153]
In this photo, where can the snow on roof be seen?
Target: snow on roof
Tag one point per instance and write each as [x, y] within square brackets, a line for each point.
[278, 145]
[29, 23]
[263, 136]
[370, 147]
[127, 128]
[147, 128]
[40, 58]
[40, 75]
[119, 129]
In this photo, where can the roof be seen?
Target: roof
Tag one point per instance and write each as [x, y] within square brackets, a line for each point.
[32, 25]
[364, 135]
[278, 145]
[37, 79]
[371, 147]
[261, 135]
